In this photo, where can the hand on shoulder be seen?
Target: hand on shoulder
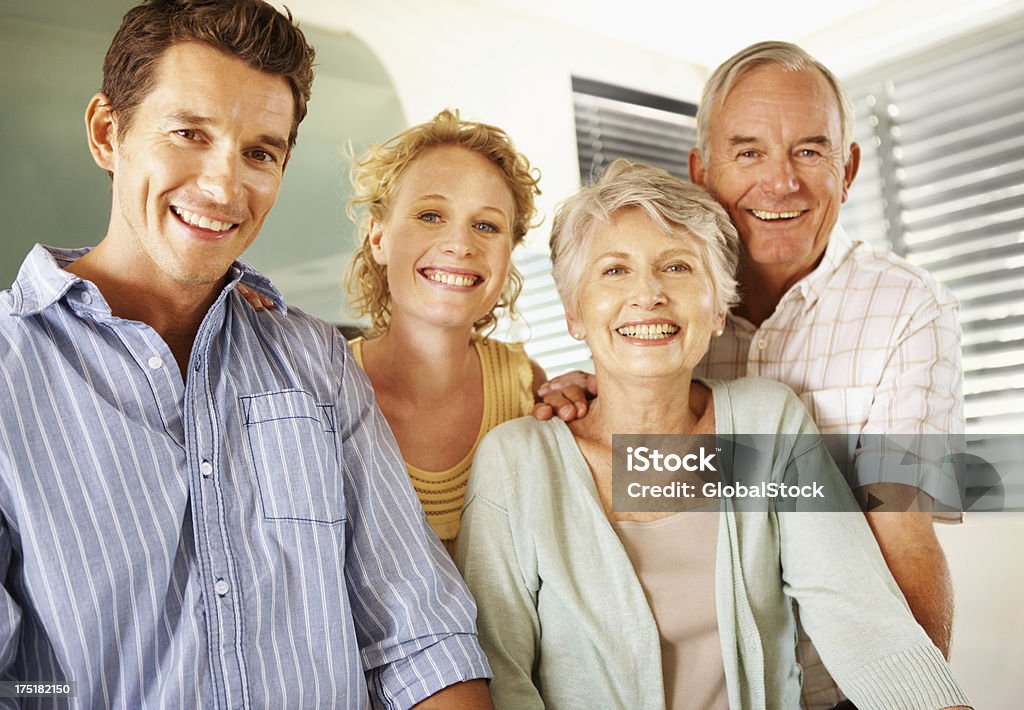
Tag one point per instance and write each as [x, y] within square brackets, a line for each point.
[254, 299]
[568, 395]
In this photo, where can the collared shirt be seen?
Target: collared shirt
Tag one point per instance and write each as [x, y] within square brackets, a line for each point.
[871, 344]
[243, 537]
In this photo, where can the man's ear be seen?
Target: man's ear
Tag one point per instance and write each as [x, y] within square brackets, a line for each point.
[101, 131]
[850, 169]
[376, 238]
[696, 167]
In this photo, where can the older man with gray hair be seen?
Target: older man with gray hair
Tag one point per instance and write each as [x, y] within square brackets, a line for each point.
[869, 342]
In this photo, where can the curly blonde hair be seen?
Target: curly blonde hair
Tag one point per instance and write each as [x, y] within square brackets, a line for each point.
[375, 180]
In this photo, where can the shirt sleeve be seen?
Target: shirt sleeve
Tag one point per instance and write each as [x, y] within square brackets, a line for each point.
[502, 583]
[850, 605]
[10, 617]
[414, 617]
[914, 433]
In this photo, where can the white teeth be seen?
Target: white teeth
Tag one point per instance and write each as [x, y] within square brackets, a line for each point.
[202, 222]
[649, 331]
[763, 214]
[444, 277]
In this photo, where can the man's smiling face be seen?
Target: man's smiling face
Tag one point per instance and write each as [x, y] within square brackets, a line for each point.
[777, 166]
[199, 168]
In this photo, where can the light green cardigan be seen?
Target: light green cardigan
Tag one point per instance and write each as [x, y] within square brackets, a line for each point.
[564, 620]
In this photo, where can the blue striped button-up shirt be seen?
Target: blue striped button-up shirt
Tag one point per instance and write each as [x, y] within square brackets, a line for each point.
[245, 537]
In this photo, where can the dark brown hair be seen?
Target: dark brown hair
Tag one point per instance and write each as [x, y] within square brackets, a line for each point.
[250, 30]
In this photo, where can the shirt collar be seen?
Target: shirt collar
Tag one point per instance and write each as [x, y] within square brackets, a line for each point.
[42, 280]
[813, 285]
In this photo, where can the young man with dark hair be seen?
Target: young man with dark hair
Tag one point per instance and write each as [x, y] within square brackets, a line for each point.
[201, 505]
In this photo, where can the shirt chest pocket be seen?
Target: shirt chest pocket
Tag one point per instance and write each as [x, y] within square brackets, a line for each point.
[839, 410]
[292, 442]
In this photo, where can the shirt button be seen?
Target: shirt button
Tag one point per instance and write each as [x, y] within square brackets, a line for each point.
[155, 363]
[86, 298]
[206, 468]
[762, 344]
[221, 587]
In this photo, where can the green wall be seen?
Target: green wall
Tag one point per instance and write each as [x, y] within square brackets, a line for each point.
[52, 54]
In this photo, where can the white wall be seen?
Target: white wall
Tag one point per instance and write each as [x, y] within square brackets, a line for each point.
[886, 30]
[985, 562]
[500, 67]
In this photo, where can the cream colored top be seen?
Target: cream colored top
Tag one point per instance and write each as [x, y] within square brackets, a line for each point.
[674, 559]
[508, 394]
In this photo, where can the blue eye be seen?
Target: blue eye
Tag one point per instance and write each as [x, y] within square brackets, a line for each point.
[487, 227]
[613, 271]
[677, 268]
[431, 217]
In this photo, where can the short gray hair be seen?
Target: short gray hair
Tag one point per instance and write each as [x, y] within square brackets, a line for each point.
[785, 55]
[675, 206]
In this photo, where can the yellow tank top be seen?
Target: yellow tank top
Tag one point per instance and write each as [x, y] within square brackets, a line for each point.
[508, 394]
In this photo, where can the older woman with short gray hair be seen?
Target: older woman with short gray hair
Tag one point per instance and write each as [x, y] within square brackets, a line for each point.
[585, 605]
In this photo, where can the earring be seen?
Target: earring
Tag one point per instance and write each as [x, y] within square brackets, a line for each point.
[719, 332]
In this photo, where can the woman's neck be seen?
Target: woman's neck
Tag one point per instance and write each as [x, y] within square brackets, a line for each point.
[421, 362]
[643, 406]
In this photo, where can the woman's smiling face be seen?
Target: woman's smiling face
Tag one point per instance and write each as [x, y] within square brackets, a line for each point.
[447, 238]
[646, 301]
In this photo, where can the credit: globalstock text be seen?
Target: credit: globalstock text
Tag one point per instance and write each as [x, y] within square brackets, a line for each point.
[679, 489]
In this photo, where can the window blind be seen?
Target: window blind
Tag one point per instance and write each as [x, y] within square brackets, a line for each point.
[616, 122]
[942, 184]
